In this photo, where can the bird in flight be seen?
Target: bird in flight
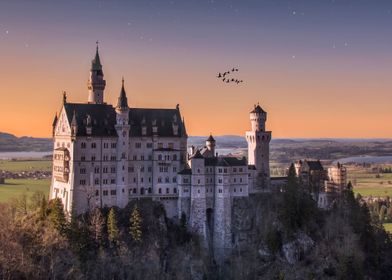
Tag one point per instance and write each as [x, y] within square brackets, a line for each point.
[225, 76]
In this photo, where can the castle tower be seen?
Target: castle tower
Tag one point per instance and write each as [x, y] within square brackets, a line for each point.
[198, 215]
[96, 84]
[122, 127]
[258, 147]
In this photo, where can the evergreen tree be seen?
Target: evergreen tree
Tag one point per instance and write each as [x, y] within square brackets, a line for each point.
[136, 225]
[57, 215]
[113, 231]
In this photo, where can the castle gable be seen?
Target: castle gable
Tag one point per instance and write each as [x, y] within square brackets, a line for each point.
[63, 127]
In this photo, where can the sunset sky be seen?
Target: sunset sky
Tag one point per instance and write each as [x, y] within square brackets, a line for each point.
[319, 68]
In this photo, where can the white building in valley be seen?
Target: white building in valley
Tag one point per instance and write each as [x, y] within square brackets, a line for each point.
[107, 155]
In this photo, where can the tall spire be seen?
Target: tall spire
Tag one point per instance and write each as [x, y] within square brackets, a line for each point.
[122, 102]
[96, 62]
[96, 84]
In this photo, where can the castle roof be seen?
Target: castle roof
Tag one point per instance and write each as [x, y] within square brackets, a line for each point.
[197, 154]
[122, 99]
[314, 165]
[258, 109]
[225, 161]
[103, 120]
[211, 139]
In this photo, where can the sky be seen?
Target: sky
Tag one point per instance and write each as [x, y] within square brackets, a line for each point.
[319, 68]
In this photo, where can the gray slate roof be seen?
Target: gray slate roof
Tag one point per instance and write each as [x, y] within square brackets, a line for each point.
[103, 118]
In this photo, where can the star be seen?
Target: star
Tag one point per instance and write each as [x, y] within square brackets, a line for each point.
[7, 32]
[294, 13]
[293, 57]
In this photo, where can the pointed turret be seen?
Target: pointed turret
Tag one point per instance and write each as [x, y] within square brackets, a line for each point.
[183, 126]
[122, 102]
[96, 84]
[54, 124]
[74, 125]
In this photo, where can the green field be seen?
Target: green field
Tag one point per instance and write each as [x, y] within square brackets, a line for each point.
[369, 183]
[25, 165]
[16, 187]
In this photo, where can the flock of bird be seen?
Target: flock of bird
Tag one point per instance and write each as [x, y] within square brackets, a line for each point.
[226, 79]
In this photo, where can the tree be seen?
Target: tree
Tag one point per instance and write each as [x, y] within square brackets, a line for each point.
[97, 223]
[113, 231]
[136, 225]
[57, 215]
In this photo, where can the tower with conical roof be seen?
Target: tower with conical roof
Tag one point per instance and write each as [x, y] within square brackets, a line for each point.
[258, 147]
[122, 127]
[96, 84]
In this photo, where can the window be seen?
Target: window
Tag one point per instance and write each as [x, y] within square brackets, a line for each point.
[112, 181]
[167, 180]
[82, 170]
[82, 158]
[149, 169]
[149, 190]
[112, 192]
[96, 170]
[235, 180]
[159, 180]
[225, 170]
[131, 169]
[105, 157]
[141, 157]
[167, 190]
[220, 181]
[220, 170]
[138, 145]
[174, 157]
[142, 191]
[96, 181]
[105, 170]
[234, 169]
[105, 145]
[240, 189]
[220, 190]
[198, 181]
[185, 181]
[134, 179]
[160, 145]
[174, 179]
[149, 157]
[93, 145]
[134, 190]
[113, 158]
[175, 190]
[134, 157]
[105, 192]
[240, 169]
[82, 145]
[170, 146]
[114, 145]
[141, 179]
[113, 169]
[92, 158]
[159, 157]
[82, 182]
[174, 169]
[149, 145]
[235, 190]
[240, 180]
[96, 192]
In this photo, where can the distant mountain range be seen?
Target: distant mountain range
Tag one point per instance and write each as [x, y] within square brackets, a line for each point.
[11, 143]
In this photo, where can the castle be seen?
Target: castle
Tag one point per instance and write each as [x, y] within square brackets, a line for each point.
[107, 155]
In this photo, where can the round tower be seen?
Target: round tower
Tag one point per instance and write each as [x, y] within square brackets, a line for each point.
[210, 144]
[258, 117]
[258, 148]
[96, 84]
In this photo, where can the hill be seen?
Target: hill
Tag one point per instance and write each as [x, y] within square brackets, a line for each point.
[11, 143]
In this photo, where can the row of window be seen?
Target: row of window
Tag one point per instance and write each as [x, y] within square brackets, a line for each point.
[135, 157]
[83, 145]
[138, 145]
[210, 180]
